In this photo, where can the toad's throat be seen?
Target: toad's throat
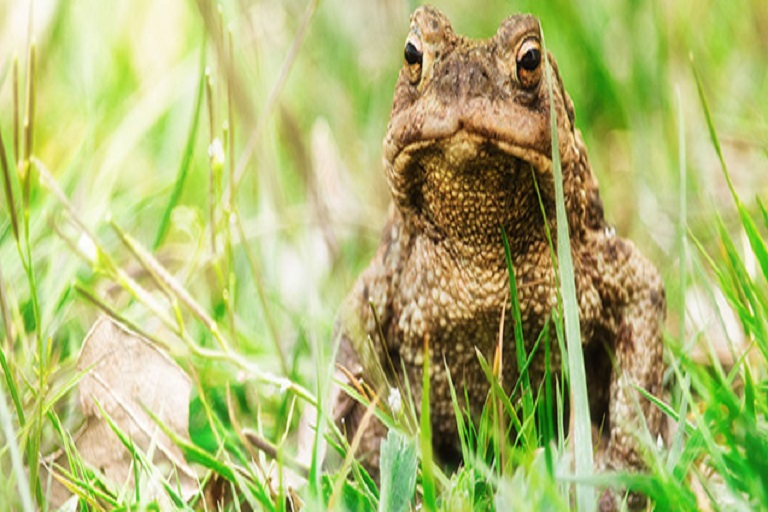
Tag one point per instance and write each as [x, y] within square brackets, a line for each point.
[466, 191]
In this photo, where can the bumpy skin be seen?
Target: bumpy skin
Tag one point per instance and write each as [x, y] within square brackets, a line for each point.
[468, 135]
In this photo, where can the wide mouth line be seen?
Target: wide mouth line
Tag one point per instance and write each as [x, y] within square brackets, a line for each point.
[480, 138]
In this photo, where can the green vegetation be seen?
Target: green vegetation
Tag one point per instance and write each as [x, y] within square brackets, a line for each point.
[212, 179]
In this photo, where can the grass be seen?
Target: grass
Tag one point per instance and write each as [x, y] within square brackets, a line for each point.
[225, 215]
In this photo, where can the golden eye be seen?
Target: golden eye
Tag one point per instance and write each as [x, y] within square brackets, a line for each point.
[414, 57]
[528, 59]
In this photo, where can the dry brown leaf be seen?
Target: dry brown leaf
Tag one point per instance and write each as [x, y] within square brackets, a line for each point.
[127, 375]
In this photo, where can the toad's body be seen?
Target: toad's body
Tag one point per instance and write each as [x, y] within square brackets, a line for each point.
[468, 137]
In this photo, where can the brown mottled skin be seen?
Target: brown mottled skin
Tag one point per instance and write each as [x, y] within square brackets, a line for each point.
[468, 135]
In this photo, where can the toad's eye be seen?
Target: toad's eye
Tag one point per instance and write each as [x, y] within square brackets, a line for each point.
[412, 55]
[528, 68]
[530, 59]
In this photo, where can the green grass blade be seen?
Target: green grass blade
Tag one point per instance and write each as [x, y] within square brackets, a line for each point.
[141, 461]
[676, 449]
[194, 453]
[460, 425]
[12, 384]
[22, 484]
[749, 392]
[763, 211]
[498, 392]
[745, 295]
[585, 496]
[189, 151]
[425, 438]
[688, 427]
[36, 431]
[314, 481]
[8, 183]
[525, 380]
[750, 228]
[546, 407]
[755, 240]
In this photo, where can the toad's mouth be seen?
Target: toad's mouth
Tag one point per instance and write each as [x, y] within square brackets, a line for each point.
[467, 150]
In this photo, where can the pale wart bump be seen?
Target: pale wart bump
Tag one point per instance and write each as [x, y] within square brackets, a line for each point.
[417, 317]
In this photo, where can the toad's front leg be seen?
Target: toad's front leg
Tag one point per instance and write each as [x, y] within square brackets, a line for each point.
[638, 307]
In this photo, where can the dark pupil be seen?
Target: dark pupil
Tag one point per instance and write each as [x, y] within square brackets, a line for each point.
[530, 60]
[412, 55]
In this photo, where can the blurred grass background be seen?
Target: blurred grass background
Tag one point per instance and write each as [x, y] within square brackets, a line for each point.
[115, 95]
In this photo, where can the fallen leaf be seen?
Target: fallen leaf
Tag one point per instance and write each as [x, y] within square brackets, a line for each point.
[127, 376]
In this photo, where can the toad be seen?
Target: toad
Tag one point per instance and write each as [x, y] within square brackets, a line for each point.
[467, 146]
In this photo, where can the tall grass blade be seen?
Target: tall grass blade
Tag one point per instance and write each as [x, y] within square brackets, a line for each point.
[16, 103]
[763, 211]
[274, 94]
[460, 425]
[519, 341]
[740, 285]
[266, 305]
[546, 408]
[6, 316]
[35, 437]
[22, 484]
[496, 391]
[214, 160]
[350, 462]
[750, 228]
[676, 449]
[9, 199]
[425, 437]
[4, 361]
[189, 151]
[582, 441]
[231, 118]
[142, 462]
[29, 129]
